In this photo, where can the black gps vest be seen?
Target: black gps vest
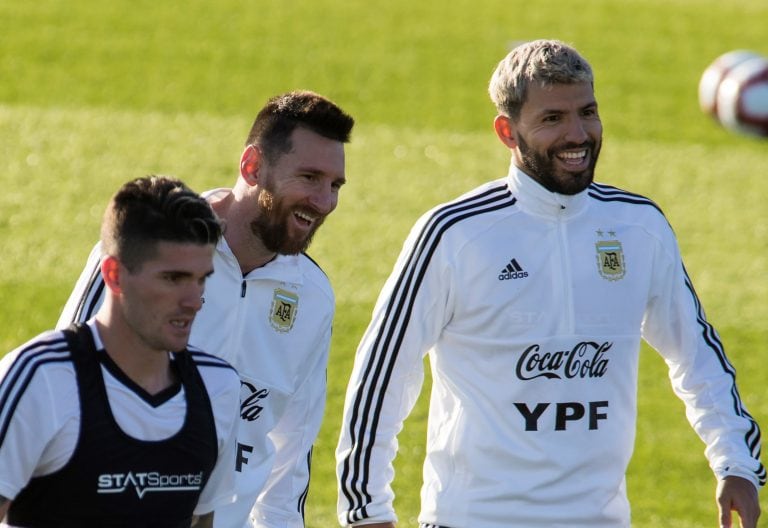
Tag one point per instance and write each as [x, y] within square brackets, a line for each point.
[112, 479]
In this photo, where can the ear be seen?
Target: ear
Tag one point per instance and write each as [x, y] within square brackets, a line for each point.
[505, 129]
[250, 163]
[110, 271]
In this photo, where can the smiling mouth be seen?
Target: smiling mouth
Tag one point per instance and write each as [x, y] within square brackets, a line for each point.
[305, 218]
[576, 157]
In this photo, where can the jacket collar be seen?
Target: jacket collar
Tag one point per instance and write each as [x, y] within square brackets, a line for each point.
[284, 268]
[533, 198]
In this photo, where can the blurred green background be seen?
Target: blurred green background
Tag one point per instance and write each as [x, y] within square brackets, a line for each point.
[95, 93]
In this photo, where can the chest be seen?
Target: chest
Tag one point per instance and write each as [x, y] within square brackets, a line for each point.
[555, 277]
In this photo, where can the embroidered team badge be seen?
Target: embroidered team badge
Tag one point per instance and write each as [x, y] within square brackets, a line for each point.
[283, 312]
[610, 258]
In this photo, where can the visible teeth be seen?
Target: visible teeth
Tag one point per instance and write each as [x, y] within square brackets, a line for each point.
[304, 216]
[179, 324]
[574, 155]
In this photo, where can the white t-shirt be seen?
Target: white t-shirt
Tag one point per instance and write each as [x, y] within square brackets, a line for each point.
[40, 413]
[274, 326]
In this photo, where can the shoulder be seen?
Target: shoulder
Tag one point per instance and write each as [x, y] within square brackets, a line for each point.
[314, 276]
[218, 375]
[208, 362]
[215, 195]
[632, 209]
[484, 199]
[620, 198]
[222, 384]
[48, 348]
[310, 265]
[464, 214]
[40, 362]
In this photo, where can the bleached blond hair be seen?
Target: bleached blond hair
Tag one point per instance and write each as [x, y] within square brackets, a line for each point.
[545, 62]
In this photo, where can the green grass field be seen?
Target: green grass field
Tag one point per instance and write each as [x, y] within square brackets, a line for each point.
[95, 93]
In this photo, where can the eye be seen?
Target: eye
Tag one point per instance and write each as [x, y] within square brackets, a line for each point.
[173, 277]
[551, 118]
[203, 279]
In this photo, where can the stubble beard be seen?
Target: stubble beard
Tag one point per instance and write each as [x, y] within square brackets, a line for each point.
[541, 167]
[144, 326]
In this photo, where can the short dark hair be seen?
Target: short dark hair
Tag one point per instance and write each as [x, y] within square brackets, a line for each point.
[148, 210]
[282, 114]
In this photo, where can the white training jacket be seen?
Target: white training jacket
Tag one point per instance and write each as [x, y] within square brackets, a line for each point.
[274, 327]
[531, 306]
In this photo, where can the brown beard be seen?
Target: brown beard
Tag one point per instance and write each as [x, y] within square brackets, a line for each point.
[270, 226]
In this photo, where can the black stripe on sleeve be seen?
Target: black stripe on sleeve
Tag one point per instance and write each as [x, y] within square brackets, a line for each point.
[22, 370]
[91, 299]
[606, 193]
[369, 397]
[303, 497]
[752, 437]
[204, 359]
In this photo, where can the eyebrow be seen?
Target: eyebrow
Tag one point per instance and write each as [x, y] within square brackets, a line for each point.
[183, 273]
[550, 111]
[316, 172]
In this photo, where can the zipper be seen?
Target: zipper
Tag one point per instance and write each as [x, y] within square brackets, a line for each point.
[566, 276]
[242, 290]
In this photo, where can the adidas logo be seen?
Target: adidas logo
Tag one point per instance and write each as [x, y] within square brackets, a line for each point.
[513, 270]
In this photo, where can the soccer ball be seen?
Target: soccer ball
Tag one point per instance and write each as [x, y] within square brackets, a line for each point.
[713, 76]
[742, 99]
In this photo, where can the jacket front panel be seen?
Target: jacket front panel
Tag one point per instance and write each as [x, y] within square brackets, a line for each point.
[274, 325]
[531, 306]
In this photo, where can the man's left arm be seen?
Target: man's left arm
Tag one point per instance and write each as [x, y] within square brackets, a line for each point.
[703, 377]
[281, 502]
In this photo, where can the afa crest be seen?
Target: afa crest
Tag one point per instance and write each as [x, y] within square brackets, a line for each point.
[610, 258]
[283, 312]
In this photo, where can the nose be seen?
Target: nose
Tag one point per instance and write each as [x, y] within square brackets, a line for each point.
[324, 199]
[193, 298]
[577, 131]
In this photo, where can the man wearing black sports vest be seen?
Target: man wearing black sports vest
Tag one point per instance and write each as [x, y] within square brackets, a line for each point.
[117, 422]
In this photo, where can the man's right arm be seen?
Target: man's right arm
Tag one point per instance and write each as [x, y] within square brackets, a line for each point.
[36, 414]
[86, 298]
[386, 380]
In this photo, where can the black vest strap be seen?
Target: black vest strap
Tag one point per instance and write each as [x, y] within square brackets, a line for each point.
[113, 479]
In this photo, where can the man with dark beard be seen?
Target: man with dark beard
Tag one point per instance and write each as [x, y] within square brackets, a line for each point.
[268, 307]
[531, 295]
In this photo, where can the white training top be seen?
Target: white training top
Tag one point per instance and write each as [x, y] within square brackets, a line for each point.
[274, 326]
[531, 306]
[40, 414]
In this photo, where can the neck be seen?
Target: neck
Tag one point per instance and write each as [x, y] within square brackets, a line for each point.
[147, 367]
[245, 245]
